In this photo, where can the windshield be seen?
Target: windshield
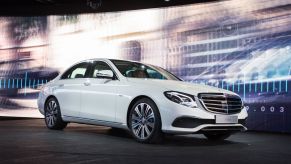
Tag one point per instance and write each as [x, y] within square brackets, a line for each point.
[139, 70]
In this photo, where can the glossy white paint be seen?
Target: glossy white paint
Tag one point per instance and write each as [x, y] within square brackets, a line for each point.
[99, 99]
[106, 102]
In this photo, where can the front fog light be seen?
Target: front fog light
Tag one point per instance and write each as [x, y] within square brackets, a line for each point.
[181, 98]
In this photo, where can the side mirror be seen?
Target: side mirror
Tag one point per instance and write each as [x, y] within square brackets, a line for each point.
[105, 74]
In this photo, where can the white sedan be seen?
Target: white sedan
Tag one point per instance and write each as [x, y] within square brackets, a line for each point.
[146, 100]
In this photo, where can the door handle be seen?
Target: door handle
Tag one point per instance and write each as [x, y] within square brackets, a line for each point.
[87, 83]
[61, 85]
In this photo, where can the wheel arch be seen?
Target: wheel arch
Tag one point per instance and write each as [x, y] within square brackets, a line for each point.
[49, 97]
[133, 101]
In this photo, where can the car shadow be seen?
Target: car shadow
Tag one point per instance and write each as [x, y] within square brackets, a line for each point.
[180, 140]
[193, 140]
[169, 140]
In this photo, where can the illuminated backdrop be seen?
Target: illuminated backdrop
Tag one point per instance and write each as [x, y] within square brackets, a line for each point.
[242, 46]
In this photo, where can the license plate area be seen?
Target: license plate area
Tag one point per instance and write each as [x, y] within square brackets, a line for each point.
[222, 119]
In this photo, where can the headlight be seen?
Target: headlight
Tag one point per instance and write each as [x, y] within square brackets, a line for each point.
[181, 98]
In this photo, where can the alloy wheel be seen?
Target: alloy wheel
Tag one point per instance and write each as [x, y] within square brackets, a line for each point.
[143, 121]
[51, 113]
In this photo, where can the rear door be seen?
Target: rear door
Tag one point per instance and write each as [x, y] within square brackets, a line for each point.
[68, 89]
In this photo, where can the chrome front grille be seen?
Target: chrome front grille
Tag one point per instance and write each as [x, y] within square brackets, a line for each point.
[221, 103]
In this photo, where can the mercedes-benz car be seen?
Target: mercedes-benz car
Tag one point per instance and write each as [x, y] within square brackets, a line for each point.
[145, 99]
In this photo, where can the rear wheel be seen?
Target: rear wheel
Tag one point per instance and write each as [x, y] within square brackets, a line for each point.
[217, 136]
[53, 117]
[145, 122]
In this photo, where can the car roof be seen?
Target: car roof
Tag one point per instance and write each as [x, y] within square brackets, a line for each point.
[110, 59]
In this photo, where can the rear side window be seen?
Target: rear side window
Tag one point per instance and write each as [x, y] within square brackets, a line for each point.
[78, 71]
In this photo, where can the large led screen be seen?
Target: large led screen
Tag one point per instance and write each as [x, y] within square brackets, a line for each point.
[241, 46]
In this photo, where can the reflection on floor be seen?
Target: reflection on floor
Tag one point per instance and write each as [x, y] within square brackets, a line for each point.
[23, 112]
[28, 141]
[23, 105]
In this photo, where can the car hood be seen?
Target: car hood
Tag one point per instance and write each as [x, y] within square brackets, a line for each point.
[180, 86]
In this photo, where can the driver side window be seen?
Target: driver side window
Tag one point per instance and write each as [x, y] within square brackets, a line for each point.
[101, 70]
[154, 74]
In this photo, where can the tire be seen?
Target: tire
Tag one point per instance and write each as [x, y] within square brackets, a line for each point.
[217, 136]
[53, 118]
[145, 122]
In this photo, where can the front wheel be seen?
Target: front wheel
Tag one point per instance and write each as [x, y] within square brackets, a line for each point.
[217, 136]
[145, 122]
[53, 117]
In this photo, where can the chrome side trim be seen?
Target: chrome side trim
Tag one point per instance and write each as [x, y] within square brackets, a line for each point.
[94, 122]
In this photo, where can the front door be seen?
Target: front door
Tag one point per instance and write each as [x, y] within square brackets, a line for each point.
[99, 93]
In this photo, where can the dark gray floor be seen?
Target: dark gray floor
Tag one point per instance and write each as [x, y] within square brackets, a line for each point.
[28, 141]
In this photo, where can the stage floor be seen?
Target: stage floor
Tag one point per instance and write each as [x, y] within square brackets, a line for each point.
[28, 141]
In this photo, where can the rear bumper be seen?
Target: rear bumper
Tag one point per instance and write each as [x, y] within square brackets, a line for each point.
[40, 102]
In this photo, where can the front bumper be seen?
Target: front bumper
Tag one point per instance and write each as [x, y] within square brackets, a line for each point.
[196, 125]
[178, 119]
[189, 122]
